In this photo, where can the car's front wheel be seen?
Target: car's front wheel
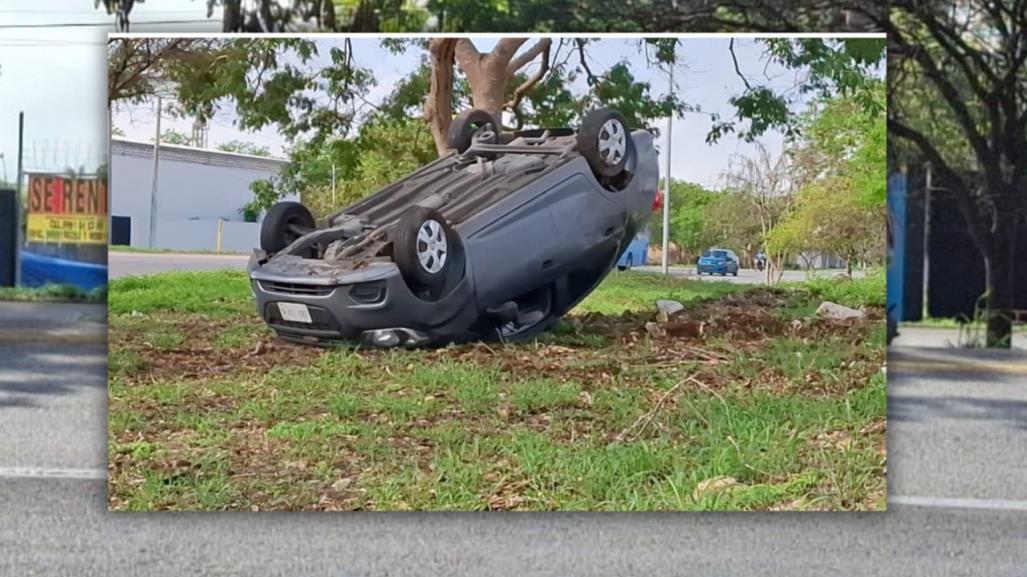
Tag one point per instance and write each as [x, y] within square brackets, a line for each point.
[423, 248]
[284, 223]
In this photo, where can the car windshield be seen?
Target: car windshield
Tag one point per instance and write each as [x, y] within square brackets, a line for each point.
[715, 254]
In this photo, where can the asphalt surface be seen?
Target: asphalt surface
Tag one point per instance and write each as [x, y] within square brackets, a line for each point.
[745, 276]
[956, 452]
[121, 264]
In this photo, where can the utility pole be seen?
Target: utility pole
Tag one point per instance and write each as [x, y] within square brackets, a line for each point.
[333, 185]
[20, 235]
[666, 183]
[153, 189]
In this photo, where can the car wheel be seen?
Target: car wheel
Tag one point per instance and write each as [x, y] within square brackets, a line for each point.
[423, 247]
[605, 142]
[469, 125]
[284, 224]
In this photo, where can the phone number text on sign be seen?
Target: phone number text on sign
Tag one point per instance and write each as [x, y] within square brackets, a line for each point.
[67, 229]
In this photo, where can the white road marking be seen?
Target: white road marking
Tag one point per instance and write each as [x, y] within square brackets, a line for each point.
[51, 473]
[957, 503]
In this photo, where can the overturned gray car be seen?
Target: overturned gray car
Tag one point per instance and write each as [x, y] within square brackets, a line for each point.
[495, 241]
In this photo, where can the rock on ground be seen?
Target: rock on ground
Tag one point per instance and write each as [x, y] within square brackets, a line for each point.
[669, 307]
[836, 311]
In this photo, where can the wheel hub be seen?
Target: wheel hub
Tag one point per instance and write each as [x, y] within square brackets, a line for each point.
[432, 246]
[612, 142]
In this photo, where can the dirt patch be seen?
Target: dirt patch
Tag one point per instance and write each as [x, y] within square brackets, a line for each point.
[198, 357]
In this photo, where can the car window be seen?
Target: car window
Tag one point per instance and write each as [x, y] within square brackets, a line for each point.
[720, 253]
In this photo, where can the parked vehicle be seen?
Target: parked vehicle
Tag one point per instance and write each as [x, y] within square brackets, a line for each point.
[496, 241]
[718, 261]
[637, 252]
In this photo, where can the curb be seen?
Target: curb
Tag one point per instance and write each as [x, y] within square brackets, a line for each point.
[961, 366]
[61, 337]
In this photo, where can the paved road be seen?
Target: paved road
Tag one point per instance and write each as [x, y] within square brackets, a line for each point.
[134, 263]
[956, 452]
[745, 276]
[121, 264]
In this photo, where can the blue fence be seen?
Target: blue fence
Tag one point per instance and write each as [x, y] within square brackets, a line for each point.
[38, 270]
[897, 245]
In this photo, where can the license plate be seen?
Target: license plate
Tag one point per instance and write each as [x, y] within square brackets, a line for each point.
[295, 312]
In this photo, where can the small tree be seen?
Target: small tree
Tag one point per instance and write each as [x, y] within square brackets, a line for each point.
[766, 183]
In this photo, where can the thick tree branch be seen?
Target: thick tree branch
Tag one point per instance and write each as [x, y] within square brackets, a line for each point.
[530, 83]
[528, 55]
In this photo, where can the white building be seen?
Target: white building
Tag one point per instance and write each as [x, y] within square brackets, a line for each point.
[196, 187]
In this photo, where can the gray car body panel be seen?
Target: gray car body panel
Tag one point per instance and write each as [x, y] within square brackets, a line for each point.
[525, 221]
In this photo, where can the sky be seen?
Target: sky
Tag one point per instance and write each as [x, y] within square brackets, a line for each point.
[57, 77]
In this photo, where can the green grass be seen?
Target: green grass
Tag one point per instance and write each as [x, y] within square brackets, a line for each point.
[218, 293]
[633, 291]
[53, 293]
[856, 293]
[571, 422]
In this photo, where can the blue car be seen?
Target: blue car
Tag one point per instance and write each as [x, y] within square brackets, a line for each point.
[718, 261]
[637, 252]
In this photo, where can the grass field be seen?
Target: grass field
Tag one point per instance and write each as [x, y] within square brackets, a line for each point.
[744, 401]
[52, 293]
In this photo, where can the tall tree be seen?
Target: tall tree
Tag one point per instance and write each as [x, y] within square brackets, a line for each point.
[967, 65]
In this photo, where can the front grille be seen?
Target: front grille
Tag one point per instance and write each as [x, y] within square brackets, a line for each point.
[290, 288]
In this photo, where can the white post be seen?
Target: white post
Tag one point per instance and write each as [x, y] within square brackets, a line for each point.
[666, 185]
[927, 237]
[110, 165]
[153, 188]
[221, 232]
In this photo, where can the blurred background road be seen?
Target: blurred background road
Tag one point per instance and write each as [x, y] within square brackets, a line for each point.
[957, 505]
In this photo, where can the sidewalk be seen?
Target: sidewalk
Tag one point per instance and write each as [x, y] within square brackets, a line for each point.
[59, 323]
[946, 337]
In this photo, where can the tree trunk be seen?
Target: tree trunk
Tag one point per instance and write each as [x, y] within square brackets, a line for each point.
[1000, 274]
[487, 77]
[438, 108]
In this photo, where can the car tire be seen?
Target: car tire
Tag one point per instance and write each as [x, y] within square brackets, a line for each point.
[469, 123]
[278, 229]
[605, 142]
[424, 247]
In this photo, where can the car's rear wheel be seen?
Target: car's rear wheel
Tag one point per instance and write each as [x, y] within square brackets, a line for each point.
[471, 125]
[284, 223]
[605, 142]
[423, 248]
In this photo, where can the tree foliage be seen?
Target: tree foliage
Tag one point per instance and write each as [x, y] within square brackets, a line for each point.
[243, 147]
